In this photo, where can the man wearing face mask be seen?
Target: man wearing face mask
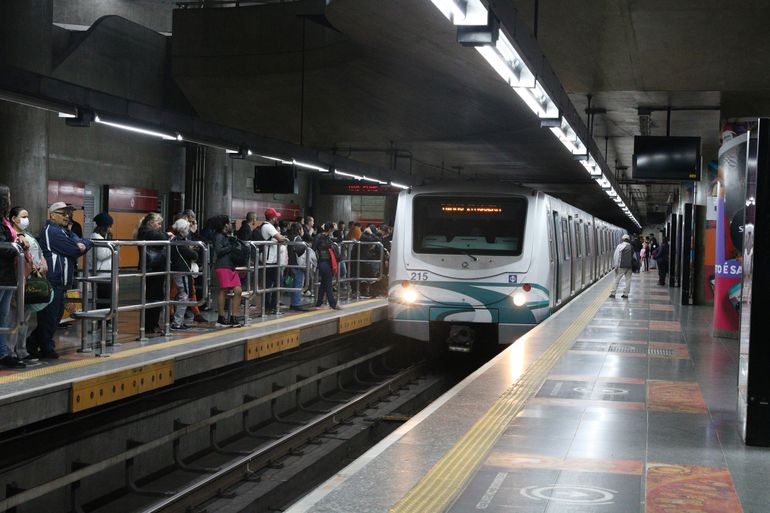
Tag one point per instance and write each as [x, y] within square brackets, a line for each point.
[61, 249]
[182, 257]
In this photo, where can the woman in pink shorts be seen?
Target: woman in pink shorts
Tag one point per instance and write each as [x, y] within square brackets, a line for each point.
[227, 278]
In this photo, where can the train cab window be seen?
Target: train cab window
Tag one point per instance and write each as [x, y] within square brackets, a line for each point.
[469, 225]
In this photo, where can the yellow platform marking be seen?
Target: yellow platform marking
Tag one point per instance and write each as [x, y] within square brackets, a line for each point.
[355, 321]
[54, 369]
[270, 344]
[115, 386]
[435, 491]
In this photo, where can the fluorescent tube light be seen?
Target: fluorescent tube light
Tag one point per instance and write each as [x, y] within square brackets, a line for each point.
[400, 186]
[164, 136]
[453, 10]
[349, 175]
[282, 161]
[66, 115]
[505, 69]
[375, 180]
[538, 100]
[310, 166]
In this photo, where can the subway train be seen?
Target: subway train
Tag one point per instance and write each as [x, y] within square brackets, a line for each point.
[485, 262]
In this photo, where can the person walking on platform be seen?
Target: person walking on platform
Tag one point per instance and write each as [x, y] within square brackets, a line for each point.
[623, 260]
[661, 258]
[322, 246]
[61, 249]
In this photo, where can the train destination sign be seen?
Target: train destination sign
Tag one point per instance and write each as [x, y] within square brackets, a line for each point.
[356, 188]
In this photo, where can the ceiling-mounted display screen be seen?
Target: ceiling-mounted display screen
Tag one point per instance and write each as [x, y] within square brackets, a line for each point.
[275, 179]
[666, 158]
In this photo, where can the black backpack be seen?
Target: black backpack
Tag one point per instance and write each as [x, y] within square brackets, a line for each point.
[239, 252]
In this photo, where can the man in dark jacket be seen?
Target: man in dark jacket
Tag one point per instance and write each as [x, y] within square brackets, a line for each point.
[61, 249]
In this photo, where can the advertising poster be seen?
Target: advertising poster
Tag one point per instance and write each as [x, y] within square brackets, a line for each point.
[710, 234]
[731, 190]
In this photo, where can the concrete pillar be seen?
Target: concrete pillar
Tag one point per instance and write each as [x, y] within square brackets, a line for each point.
[25, 42]
[332, 208]
[218, 192]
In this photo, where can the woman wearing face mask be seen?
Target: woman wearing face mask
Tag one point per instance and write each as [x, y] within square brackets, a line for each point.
[151, 228]
[19, 218]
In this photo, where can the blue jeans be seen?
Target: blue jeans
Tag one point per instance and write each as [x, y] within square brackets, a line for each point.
[182, 294]
[299, 282]
[5, 314]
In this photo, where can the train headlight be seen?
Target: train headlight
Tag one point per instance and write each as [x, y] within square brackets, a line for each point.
[519, 299]
[409, 295]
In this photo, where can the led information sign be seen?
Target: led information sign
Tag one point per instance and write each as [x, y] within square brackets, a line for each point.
[356, 188]
[471, 209]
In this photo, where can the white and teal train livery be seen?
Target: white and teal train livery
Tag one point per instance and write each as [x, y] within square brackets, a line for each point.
[483, 261]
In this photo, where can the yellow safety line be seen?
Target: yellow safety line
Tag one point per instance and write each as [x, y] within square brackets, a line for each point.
[44, 371]
[435, 491]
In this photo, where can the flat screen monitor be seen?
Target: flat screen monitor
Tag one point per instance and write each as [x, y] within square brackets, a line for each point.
[666, 158]
[275, 179]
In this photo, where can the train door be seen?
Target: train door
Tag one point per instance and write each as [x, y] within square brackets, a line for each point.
[553, 253]
[566, 268]
[557, 244]
[574, 260]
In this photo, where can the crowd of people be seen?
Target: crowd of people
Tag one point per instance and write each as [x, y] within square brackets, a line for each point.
[54, 254]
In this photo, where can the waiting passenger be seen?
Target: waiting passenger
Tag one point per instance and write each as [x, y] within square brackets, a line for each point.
[227, 278]
[61, 248]
[103, 257]
[270, 233]
[322, 246]
[7, 277]
[19, 218]
[247, 226]
[623, 260]
[661, 259]
[182, 258]
[151, 228]
[297, 256]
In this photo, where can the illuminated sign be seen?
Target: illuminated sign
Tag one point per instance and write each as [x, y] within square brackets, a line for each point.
[471, 209]
[356, 188]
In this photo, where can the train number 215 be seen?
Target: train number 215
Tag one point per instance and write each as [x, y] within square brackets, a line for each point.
[418, 276]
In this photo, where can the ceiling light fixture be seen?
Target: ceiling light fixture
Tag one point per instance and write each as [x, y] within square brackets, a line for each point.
[136, 129]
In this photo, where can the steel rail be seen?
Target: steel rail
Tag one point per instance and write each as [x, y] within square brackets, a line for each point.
[138, 449]
[242, 468]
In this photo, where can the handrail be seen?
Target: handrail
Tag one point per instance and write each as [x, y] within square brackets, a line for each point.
[261, 268]
[111, 313]
[21, 283]
[348, 259]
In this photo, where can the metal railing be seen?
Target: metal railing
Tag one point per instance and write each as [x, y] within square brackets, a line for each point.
[373, 268]
[260, 252]
[92, 276]
[21, 282]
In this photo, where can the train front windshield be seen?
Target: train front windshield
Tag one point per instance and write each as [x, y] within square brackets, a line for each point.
[469, 225]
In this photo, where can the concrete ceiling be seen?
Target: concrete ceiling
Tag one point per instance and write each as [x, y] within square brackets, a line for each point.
[386, 82]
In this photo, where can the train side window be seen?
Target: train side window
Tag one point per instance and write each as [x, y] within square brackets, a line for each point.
[566, 246]
[586, 241]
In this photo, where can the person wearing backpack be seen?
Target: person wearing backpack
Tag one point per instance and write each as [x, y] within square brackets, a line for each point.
[324, 247]
[224, 268]
[269, 232]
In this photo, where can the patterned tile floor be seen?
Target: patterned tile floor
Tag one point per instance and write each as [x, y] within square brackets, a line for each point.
[639, 416]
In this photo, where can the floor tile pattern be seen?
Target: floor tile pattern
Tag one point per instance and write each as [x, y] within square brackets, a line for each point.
[625, 422]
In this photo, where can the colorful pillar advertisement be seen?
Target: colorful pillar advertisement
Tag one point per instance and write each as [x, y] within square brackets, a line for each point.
[729, 237]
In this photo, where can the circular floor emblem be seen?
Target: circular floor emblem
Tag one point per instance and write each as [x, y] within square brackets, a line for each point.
[603, 391]
[567, 494]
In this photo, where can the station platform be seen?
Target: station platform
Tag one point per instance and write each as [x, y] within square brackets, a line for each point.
[610, 405]
[80, 381]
